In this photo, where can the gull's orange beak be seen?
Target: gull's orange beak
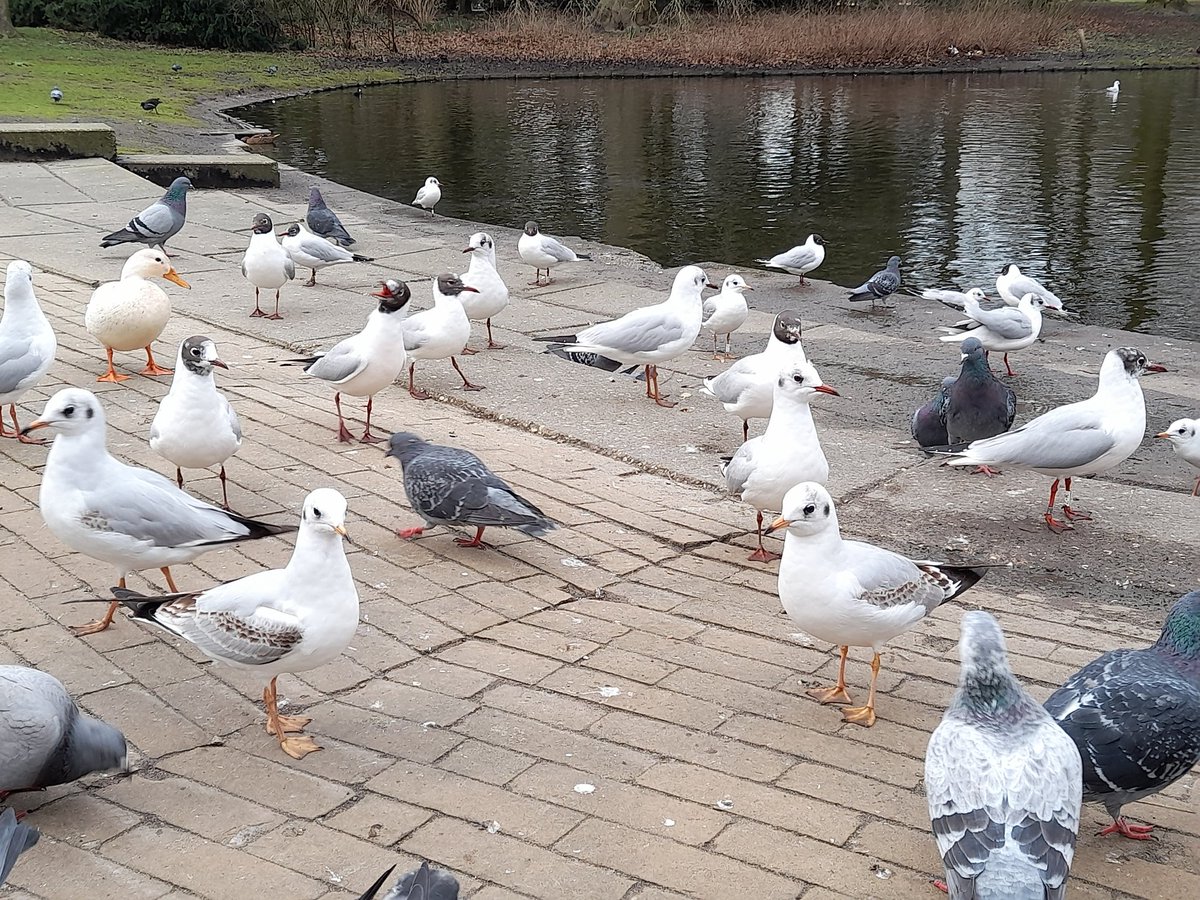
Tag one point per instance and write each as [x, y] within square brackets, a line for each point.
[470, 290]
[1155, 367]
[172, 275]
[781, 522]
[1161, 434]
[34, 426]
[341, 529]
[826, 389]
[468, 249]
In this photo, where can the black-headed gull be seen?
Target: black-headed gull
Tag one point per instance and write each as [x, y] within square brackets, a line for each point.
[1012, 285]
[850, 593]
[429, 194]
[726, 312]
[1182, 433]
[544, 252]
[491, 293]
[879, 286]
[27, 344]
[801, 259]
[266, 265]
[439, 333]
[1004, 329]
[314, 252]
[158, 222]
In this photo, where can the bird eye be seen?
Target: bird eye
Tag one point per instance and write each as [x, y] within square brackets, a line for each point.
[799, 379]
[69, 411]
[1183, 431]
[195, 351]
[810, 509]
[316, 513]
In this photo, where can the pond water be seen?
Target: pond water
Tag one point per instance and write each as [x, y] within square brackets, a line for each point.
[959, 174]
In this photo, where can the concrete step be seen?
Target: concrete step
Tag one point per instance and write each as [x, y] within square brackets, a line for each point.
[226, 170]
[41, 141]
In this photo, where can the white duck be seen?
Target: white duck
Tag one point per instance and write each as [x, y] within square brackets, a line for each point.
[130, 314]
[492, 296]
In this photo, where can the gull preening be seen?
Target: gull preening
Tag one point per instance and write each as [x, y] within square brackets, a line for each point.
[957, 299]
[266, 264]
[438, 333]
[765, 468]
[195, 427]
[647, 336]
[491, 293]
[1090, 437]
[1003, 782]
[544, 252]
[879, 286]
[279, 621]
[747, 388]
[429, 194]
[314, 252]
[726, 312]
[1012, 286]
[1003, 330]
[850, 593]
[158, 222]
[127, 516]
[1182, 435]
[323, 221]
[801, 259]
[27, 344]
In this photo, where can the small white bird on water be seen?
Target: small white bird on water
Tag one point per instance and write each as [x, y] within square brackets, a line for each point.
[279, 621]
[439, 333]
[726, 312]
[314, 252]
[1004, 330]
[27, 344]
[195, 427]
[1182, 433]
[544, 252]
[1113, 89]
[801, 259]
[429, 194]
[764, 469]
[491, 295]
[266, 264]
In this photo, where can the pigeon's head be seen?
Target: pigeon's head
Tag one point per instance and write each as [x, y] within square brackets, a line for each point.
[315, 200]
[422, 883]
[71, 411]
[893, 262]
[690, 281]
[787, 328]
[972, 351]
[807, 511]
[1134, 362]
[405, 446]
[93, 746]
[816, 239]
[324, 512]
[735, 284]
[447, 285]
[1181, 630]
[1181, 431]
[531, 228]
[152, 262]
[177, 192]
[393, 296]
[293, 230]
[986, 686]
[981, 643]
[801, 381]
[20, 274]
[1010, 269]
[261, 224]
[481, 240]
[198, 354]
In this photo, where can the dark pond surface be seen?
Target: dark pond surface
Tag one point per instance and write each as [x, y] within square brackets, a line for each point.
[959, 174]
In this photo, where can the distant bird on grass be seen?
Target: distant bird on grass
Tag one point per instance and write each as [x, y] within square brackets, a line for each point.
[158, 222]
[176, 67]
[56, 94]
[449, 486]
[272, 70]
[151, 105]
[879, 286]
[429, 194]
[324, 221]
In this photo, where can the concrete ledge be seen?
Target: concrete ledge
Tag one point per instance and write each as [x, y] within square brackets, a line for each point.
[39, 141]
[230, 170]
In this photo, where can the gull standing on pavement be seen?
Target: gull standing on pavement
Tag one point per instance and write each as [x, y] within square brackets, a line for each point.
[491, 295]
[195, 426]
[1012, 286]
[158, 222]
[850, 593]
[429, 194]
[544, 252]
[287, 620]
[726, 312]
[1004, 329]
[1003, 781]
[438, 333]
[879, 286]
[764, 469]
[314, 252]
[27, 344]
[1182, 435]
[131, 314]
[363, 365]
[324, 222]
[646, 336]
[747, 388]
[266, 264]
[957, 299]
[801, 259]
[1090, 437]
[127, 516]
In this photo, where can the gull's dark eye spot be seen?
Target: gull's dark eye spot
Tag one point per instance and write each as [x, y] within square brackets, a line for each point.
[316, 513]
[810, 509]
[69, 411]
[826, 509]
[195, 351]
[1183, 431]
[799, 379]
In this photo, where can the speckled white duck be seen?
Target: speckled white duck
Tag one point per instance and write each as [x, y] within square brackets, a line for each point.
[131, 313]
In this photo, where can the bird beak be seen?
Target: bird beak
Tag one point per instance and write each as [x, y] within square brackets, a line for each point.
[1161, 434]
[715, 287]
[341, 529]
[174, 276]
[781, 522]
[471, 290]
[1155, 367]
[34, 426]
[382, 292]
[746, 287]
[468, 250]
[219, 364]
[826, 389]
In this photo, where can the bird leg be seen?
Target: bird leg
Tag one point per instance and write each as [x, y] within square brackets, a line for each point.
[745, 430]
[728, 347]
[285, 727]
[762, 554]
[1070, 512]
[837, 693]
[537, 279]
[258, 313]
[276, 315]
[367, 437]
[466, 385]
[1011, 373]
[166, 572]
[652, 372]
[179, 477]
[985, 470]
[475, 541]
[23, 438]
[312, 279]
[224, 490]
[412, 391]
[1123, 827]
[1055, 525]
[1195, 490]
[111, 375]
[491, 344]
[344, 434]
[153, 368]
[941, 885]
[864, 715]
[410, 533]
[100, 624]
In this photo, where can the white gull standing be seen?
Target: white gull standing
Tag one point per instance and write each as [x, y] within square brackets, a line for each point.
[491, 295]
[726, 312]
[1011, 285]
[1182, 433]
[801, 259]
[438, 333]
[544, 252]
[1004, 329]
[429, 194]
[266, 264]
[314, 252]
[27, 344]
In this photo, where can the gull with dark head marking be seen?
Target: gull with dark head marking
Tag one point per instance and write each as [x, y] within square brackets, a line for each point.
[314, 252]
[27, 344]
[801, 259]
[850, 593]
[747, 388]
[158, 222]
[266, 264]
[726, 312]
[438, 333]
[1003, 330]
[879, 286]
[429, 194]
[1090, 437]
[127, 516]
[1002, 780]
[491, 293]
[1012, 286]
[1182, 434]
[544, 252]
[323, 221]
[646, 336]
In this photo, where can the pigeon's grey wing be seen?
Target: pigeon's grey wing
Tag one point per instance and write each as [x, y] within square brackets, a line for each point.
[156, 220]
[15, 839]
[739, 469]
[432, 481]
[32, 726]
[557, 249]
[1010, 407]
[1048, 442]
[640, 331]
[340, 364]
[1006, 322]
[885, 282]
[797, 258]
[18, 361]
[324, 221]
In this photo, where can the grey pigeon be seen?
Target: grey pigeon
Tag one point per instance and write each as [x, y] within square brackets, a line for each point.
[448, 486]
[420, 884]
[324, 221]
[1004, 784]
[980, 405]
[44, 739]
[879, 286]
[929, 422]
[1135, 716]
[158, 222]
[15, 839]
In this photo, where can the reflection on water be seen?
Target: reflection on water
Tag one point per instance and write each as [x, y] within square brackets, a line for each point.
[959, 174]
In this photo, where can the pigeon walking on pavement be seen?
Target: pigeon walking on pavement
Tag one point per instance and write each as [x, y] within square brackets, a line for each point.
[158, 222]
[879, 286]
[929, 421]
[323, 221]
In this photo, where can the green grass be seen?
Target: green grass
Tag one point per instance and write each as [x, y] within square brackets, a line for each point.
[107, 80]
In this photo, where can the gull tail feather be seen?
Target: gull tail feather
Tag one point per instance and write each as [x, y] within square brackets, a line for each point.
[358, 257]
[586, 256]
[956, 579]
[584, 357]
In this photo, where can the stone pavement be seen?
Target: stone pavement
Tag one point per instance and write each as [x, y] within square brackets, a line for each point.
[634, 650]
